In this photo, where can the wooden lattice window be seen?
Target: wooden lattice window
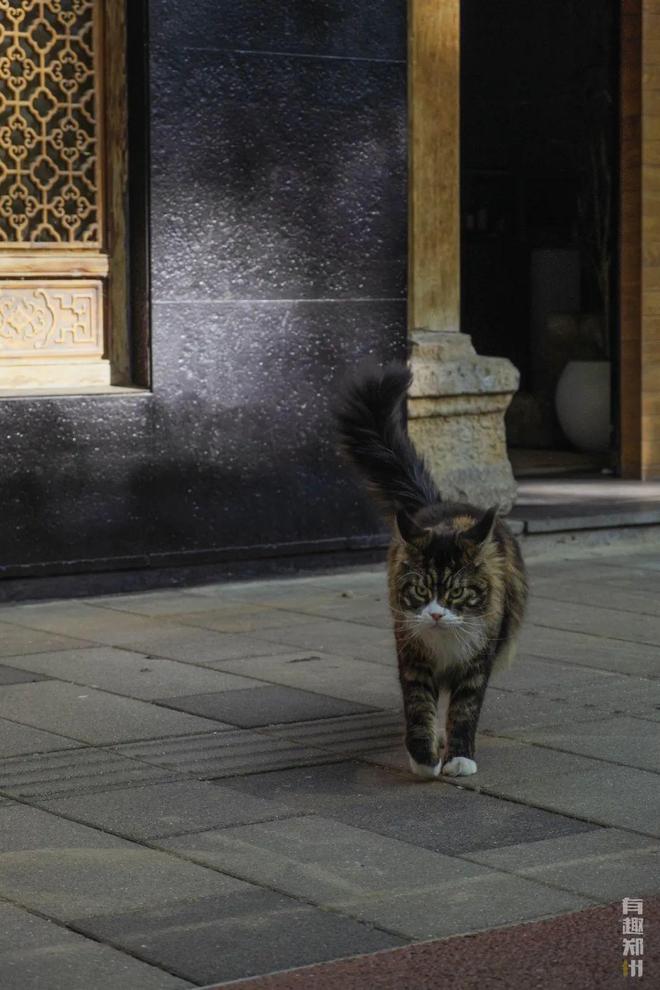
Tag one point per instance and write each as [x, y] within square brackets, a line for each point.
[62, 172]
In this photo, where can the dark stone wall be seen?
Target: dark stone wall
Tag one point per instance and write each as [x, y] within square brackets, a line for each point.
[278, 257]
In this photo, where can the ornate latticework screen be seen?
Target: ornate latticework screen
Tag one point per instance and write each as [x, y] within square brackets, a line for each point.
[53, 250]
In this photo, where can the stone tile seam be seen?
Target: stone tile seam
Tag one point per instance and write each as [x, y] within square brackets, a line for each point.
[149, 842]
[526, 803]
[70, 927]
[459, 856]
[81, 743]
[314, 967]
[583, 666]
[166, 702]
[196, 741]
[343, 908]
[613, 639]
[85, 744]
[45, 632]
[296, 899]
[296, 648]
[571, 752]
[163, 702]
[571, 601]
[574, 860]
[83, 643]
[196, 664]
[313, 56]
[288, 301]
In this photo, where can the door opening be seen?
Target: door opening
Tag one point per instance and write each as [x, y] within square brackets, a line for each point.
[539, 173]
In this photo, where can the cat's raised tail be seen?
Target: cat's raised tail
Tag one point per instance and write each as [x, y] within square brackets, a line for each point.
[372, 432]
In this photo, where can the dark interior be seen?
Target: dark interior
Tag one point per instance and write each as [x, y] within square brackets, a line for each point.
[538, 174]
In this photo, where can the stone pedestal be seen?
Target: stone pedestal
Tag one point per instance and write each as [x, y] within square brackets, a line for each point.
[456, 417]
[458, 399]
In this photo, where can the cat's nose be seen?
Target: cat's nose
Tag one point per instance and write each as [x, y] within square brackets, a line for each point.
[436, 616]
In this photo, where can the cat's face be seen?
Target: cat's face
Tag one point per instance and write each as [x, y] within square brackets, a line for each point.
[442, 591]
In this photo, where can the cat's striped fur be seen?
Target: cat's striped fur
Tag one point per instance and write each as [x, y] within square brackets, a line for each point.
[457, 585]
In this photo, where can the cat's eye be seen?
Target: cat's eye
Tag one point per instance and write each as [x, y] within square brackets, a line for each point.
[418, 593]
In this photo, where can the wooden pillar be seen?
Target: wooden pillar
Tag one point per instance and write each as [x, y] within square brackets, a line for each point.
[458, 399]
[640, 239]
[434, 200]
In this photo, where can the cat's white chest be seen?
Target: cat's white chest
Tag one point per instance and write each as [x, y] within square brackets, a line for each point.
[445, 647]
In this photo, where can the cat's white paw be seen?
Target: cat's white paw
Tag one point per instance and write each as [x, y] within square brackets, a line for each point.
[459, 766]
[424, 769]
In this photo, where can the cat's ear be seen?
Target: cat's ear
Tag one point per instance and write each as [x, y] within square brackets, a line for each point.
[482, 530]
[408, 529]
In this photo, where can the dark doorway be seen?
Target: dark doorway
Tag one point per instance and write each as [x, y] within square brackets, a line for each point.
[538, 176]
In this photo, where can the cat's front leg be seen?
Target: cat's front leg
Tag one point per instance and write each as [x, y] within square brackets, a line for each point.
[465, 701]
[420, 702]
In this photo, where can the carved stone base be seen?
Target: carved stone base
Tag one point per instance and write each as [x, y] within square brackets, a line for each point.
[60, 374]
[456, 417]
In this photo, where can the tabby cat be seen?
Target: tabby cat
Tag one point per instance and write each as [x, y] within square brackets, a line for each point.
[457, 585]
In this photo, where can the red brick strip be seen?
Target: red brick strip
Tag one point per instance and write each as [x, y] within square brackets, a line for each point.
[582, 951]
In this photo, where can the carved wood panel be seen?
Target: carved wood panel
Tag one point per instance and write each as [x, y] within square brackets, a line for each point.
[62, 76]
[50, 191]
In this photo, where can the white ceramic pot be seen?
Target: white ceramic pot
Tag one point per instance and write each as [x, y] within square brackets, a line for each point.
[582, 401]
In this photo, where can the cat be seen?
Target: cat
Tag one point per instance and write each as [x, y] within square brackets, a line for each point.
[457, 583]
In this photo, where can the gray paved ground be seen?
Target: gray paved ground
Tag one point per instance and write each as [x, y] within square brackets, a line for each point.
[202, 785]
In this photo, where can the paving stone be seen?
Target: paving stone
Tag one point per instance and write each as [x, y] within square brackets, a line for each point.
[73, 772]
[263, 706]
[376, 879]
[644, 561]
[354, 581]
[93, 716]
[274, 588]
[349, 734]
[635, 695]
[557, 677]
[17, 739]
[638, 600]
[82, 621]
[615, 739]
[189, 644]
[12, 675]
[605, 621]
[69, 871]
[438, 817]
[372, 578]
[370, 610]
[300, 597]
[132, 674]
[37, 954]
[604, 864]
[500, 762]
[234, 617]
[16, 640]
[163, 809]
[348, 639]
[154, 603]
[470, 905]
[240, 934]
[340, 677]
[224, 754]
[608, 795]
[590, 650]
[505, 711]
[323, 861]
